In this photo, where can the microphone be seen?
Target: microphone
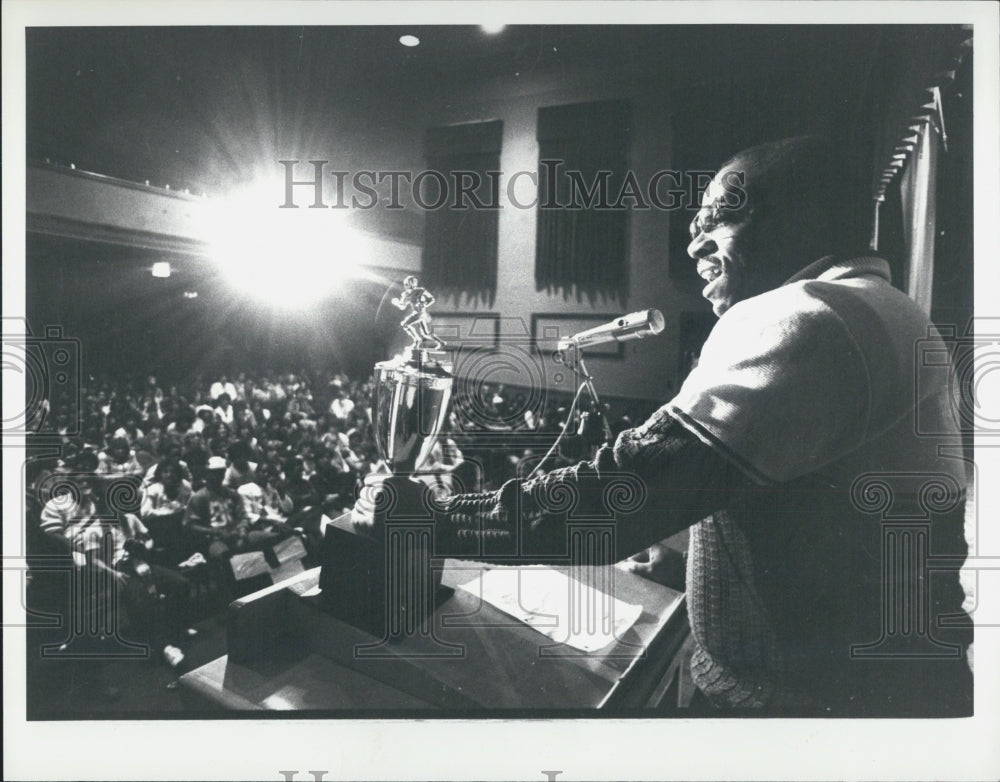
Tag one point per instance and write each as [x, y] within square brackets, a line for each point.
[635, 325]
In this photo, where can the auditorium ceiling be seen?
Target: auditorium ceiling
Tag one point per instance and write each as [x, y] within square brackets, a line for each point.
[176, 105]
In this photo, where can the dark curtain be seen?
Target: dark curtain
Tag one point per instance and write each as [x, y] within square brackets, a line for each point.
[954, 270]
[581, 237]
[916, 66]
[460, 241]
[913, 60]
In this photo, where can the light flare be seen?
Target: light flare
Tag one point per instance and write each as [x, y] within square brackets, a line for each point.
[288, 258]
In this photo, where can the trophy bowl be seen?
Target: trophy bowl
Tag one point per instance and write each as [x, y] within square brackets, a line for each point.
[410, 400]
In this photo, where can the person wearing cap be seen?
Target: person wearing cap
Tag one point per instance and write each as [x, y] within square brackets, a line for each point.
[215, 514]
[217, 517]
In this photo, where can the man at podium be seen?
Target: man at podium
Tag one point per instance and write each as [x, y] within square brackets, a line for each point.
[801, 408]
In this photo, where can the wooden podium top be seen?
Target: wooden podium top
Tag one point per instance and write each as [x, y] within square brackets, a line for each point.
[285, 652]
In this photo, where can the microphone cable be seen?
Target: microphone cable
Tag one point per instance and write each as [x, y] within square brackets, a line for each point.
[562, 434]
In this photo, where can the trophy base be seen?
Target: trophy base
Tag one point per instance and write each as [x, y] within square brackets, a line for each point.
[379, 577]
[424, 357]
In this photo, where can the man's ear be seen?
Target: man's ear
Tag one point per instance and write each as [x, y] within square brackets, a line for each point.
[816, 238]
[786, 239]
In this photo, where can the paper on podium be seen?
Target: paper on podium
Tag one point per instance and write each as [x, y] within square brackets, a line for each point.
[564, 609]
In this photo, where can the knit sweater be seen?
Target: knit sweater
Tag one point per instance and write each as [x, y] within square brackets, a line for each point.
[807, 388]
[799, 395]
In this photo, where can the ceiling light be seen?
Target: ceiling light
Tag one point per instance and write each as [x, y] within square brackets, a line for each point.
[492, 28]
[409, 40]
[161, 269]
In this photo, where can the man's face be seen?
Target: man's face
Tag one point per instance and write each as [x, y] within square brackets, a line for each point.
[171, 476]
[720, 242]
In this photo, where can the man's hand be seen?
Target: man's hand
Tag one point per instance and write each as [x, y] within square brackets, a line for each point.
[363, 512]
[534, 512]
[658, 563]
[570, 491]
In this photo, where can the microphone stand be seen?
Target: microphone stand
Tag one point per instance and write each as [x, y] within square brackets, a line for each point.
[595, 414]
[591, 426]
[635, 325]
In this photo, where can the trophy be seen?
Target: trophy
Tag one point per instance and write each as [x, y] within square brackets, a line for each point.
[376, 568]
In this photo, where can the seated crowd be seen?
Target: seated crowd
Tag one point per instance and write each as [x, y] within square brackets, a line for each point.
[223, 467]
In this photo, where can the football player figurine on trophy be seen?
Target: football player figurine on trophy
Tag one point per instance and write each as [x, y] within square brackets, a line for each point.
[417, 323]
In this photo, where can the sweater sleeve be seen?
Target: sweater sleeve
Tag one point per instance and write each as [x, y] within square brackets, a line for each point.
[683, 480]
[781, 388]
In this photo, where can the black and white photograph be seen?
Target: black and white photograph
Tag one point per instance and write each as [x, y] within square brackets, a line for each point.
[500, 390]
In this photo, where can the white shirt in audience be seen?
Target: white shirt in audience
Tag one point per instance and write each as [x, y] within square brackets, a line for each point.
[219, 388]
[341, 407]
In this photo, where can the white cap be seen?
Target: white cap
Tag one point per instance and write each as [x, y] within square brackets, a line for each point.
[216, 463]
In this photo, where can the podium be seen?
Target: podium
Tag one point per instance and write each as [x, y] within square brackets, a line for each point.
[286, 652]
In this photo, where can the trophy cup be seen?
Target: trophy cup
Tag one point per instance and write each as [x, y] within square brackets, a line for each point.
[377, 570]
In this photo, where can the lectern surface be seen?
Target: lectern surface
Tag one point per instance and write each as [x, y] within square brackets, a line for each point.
[472, 658]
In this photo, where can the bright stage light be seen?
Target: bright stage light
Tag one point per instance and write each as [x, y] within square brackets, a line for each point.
[288, 258]
[492, 28]
[161, 269]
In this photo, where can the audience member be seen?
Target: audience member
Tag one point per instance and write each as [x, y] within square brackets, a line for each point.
[169, 493]
[220, 387]
[216, 515]
[98, 538]
[224, 409]
[239, 468]
[118, 459]
[342, 405]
